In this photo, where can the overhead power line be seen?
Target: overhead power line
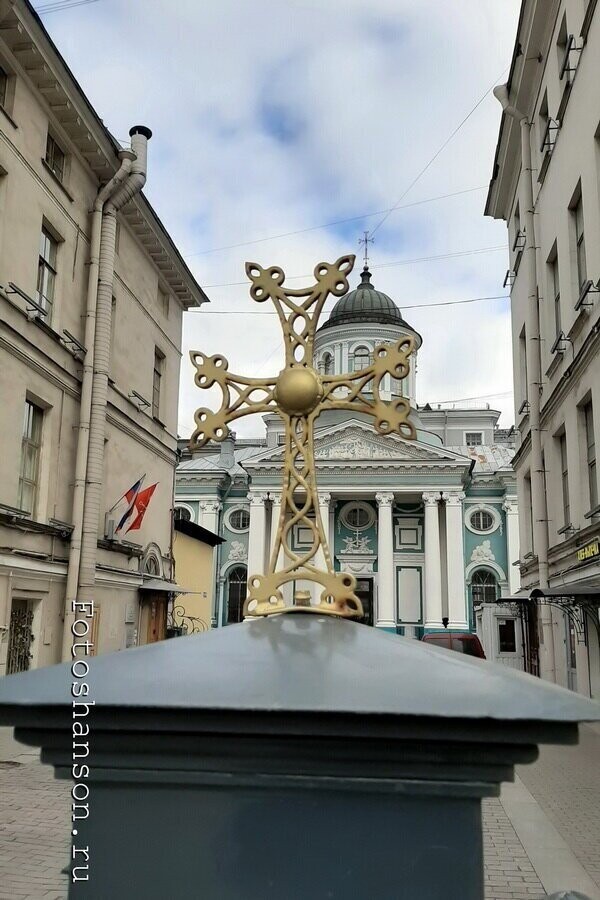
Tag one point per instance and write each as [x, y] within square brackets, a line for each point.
[260, 312]
[480, 397]
[274, 237]
[388, 265]
[436, 154]
[58, 6]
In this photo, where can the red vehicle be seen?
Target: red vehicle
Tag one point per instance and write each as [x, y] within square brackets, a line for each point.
[463, 642]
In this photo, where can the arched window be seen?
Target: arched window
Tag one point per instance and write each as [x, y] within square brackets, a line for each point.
[328, 364]
[361, 358]
[484, 587]
[182, 514]
[151, 565]
[236, 594]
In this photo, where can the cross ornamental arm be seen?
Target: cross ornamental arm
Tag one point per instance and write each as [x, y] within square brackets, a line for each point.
[299, 394]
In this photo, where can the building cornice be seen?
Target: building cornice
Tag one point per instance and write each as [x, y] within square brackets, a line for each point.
[48, 74]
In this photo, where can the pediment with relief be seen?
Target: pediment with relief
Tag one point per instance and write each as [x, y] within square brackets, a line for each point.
[358, 442]
[355, 444]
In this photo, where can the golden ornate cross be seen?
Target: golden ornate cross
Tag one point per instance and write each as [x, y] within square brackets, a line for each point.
[299, 394]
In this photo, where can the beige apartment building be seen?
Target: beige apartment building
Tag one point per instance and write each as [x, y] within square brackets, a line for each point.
[92, 296]
[546, 186]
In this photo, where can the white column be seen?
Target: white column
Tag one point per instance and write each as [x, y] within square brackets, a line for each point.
[275, 513]
[512, 544]
[256, 534]
[455, 560]
[209, 515]
[386, 589]
[433, 570]
[324, 501]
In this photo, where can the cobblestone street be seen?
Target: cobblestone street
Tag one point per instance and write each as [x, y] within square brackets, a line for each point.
[541, 836]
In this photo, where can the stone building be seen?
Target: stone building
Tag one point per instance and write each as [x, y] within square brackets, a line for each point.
[428, 527]
[91, 304]
[546, 186]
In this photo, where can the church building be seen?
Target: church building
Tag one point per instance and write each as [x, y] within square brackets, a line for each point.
[428, 527]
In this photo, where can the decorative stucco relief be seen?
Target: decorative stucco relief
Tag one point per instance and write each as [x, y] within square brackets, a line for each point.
[483, 553]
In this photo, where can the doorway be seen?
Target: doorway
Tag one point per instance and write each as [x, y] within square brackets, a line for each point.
[20, 636]
[364, 591]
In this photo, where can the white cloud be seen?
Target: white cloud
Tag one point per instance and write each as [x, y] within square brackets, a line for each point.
[272, 117]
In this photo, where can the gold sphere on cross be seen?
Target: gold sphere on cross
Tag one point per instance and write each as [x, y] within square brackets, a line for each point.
[298, 390]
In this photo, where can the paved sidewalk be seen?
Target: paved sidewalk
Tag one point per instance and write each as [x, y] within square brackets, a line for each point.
[549, 818]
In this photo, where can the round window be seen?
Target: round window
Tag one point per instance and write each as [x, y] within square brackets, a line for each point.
[182, 514]
[482, 520]
[239, 520]
[358, 516]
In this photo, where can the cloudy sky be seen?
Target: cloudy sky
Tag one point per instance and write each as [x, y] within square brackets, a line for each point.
[275, 122]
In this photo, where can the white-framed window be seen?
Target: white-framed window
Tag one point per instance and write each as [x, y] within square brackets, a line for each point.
[3, 86]
[159, 364]
[55, 157]
[507, 636]
[484, 587]
[482, 519]
[590, 451]
[361, 358]
[31, 444]
[327, 364]
[357, 516]
[238, 520]
[555, 291]
[564, 477]
[183, 513]
[580, 244]
[473, 438]
[46, 275]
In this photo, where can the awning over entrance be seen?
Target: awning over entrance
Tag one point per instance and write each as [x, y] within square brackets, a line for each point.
[159, 585]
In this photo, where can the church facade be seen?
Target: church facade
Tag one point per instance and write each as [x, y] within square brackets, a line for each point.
[428, 527]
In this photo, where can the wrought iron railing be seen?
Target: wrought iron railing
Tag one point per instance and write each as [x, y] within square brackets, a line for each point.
[179, 623]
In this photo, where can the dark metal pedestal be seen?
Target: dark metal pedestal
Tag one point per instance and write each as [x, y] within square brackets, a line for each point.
[293, 758]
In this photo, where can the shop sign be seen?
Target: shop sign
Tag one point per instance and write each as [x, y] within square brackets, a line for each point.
[589, 551]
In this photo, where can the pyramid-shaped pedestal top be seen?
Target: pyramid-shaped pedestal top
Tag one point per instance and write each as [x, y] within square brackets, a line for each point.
[303, 663]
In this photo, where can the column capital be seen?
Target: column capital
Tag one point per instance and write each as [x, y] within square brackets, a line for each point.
[275, 497]
[256, 498]
[210, 505]
[430, 498]
[384, 498]
[453, 498]
[510, 505]
[324, 499]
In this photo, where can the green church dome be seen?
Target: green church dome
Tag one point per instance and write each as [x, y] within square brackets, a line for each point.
[365, 304]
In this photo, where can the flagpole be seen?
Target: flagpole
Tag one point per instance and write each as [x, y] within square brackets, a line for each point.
[126, 492]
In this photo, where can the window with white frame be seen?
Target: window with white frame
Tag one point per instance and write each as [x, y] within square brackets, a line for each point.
[482, 521]
[361, 359]
[182, 514]
[31, 444]
[580, 243]
[473, 438]
[3, 86]
[484, 587]
[46, 276]
[238, 519]
[55, 157]
[327, 364]
[357, 516]
[555, 291]
[159, 363]
[507, 636]
[564, 476]
[590, 451]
